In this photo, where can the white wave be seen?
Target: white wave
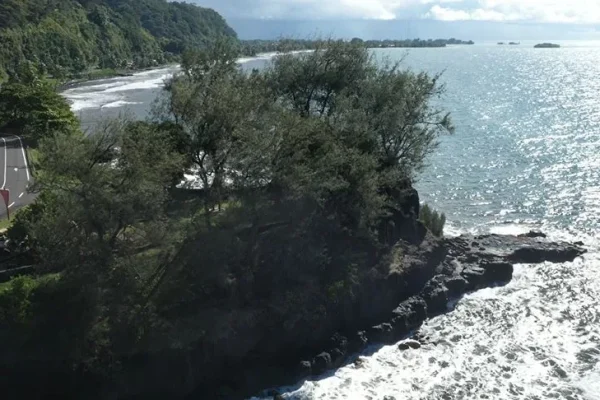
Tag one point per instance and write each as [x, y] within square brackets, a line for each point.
[510, 229]
[87, 101]
[140, 85]
[120, 103]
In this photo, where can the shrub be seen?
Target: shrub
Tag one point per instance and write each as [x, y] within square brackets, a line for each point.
[432, 220]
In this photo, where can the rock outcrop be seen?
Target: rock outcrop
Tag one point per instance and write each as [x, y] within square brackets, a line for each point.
[469, 263]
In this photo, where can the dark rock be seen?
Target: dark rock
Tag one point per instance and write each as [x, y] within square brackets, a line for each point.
[497, 272]
[579, 243]
[409, 344]
[275, 394]
[400, 325]
[304, 370]
[552, 253]
[456, 286]
[414, 310]
[473, 276]
[435, 295]
[357, 342]
[359, 363]
[338, 357]
[321, 363]
[382, 333]
[339, 341]
[533, 234]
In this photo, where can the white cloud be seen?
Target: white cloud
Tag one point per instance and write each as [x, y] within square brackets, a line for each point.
[479, 14]
[552, 11]
[561, 11]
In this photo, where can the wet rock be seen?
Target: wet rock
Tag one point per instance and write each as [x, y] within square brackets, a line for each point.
[382, 333]
[275, 395]
[337, 357]
[473, 276]
[321, 363]
[456, 286]
[552, 253]
[414, 310]
[359, 363]
[304, 370]
[409, 344]
[400, 325]
[435, 295]
[533, 234]
[421, 337]
[496, 272]
[357, 342]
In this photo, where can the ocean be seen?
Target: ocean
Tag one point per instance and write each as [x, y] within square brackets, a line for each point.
[525, 155]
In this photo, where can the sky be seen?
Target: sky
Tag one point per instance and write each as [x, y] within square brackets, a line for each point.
[545, 11]
[579, 18]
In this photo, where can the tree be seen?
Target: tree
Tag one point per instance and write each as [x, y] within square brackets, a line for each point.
[31, 106]
[214, 104]
[98, 192]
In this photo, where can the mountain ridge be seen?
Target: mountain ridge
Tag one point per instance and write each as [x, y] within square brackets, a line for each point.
[63, 38]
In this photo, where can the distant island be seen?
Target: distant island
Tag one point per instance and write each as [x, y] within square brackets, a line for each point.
[501, 43]
[254, 47]
[514, 43]
[547, 46]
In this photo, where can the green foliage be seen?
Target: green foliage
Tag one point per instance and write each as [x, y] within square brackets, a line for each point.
[312, 149]
[300, 163]
[95, 191]
[15, 300]
[32, 107]
[432, 220]
[70, 37]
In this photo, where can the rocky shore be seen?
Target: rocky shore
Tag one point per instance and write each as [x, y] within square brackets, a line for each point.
[469, 263]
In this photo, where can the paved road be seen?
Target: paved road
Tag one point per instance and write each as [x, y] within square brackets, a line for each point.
[14, 173]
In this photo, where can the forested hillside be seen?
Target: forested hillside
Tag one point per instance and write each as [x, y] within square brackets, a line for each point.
[67, 37]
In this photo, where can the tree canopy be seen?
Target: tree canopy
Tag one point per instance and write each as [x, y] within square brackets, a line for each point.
[301, 167]
[32, 107]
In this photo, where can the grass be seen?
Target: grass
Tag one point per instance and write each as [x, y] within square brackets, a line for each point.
[6, 223]
[31, 282]
[33, 156]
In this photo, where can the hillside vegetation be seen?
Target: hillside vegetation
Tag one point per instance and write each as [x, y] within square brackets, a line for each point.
[69, 37]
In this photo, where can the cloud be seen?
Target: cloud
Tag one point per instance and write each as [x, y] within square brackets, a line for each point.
[552, 11]
[545, 11]
[448, 14]
[309, 9]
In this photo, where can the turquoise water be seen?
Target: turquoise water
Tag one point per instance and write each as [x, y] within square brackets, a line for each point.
[526, 154]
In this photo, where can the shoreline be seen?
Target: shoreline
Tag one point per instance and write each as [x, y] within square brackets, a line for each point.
[74, 83]
[448, 268]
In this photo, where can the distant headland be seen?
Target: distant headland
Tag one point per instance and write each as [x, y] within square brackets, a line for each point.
[547, 46]
[254, 47]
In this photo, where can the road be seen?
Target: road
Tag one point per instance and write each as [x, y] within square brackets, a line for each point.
[14, 173]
